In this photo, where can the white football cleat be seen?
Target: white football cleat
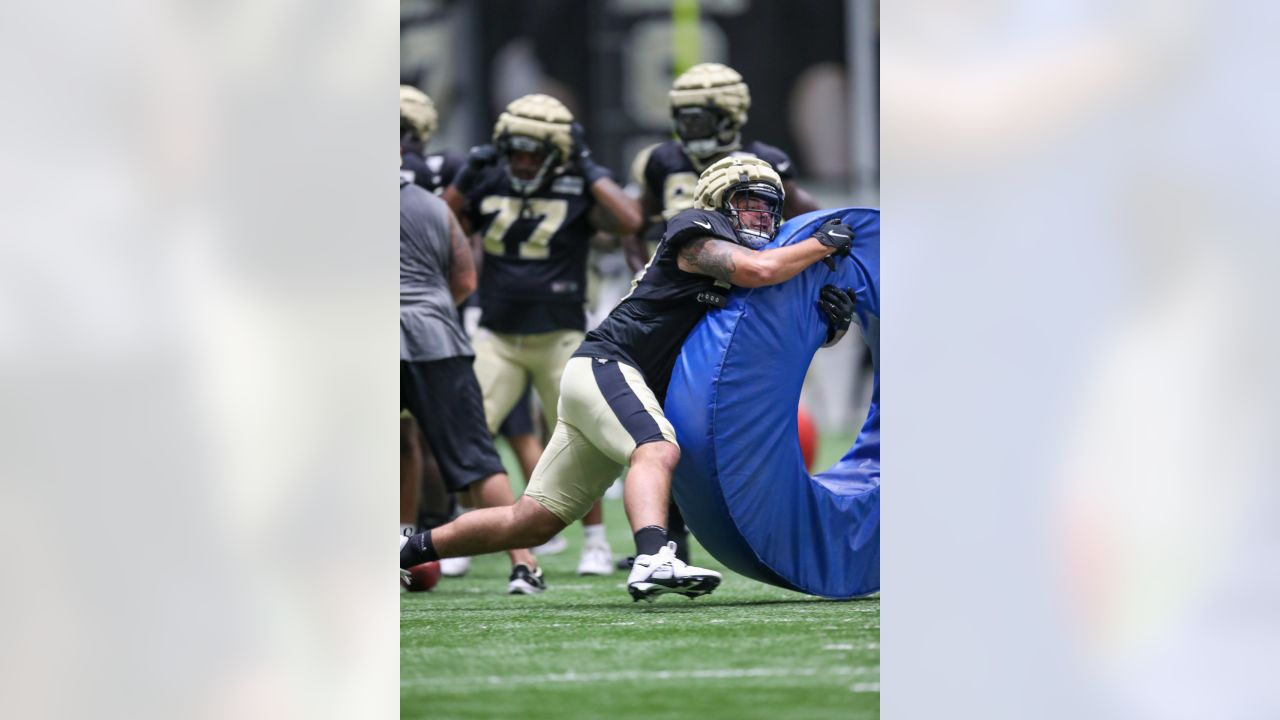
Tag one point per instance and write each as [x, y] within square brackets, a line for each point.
[455, 567]
[597, 559]
[663, 572]
[555, 545]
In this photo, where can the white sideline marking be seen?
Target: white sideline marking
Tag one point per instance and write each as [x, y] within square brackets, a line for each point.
[838, 646]
[634, 675]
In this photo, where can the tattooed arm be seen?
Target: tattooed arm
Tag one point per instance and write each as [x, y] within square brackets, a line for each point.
[462, 266]
[745, 267]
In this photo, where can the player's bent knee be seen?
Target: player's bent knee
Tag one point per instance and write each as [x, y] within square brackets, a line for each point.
[661, 453]
[535, 524]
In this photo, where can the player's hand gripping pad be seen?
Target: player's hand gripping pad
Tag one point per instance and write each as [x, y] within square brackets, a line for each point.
[741, 483]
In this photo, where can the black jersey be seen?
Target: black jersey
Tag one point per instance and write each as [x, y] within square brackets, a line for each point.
[432, 172]
[670, 176]
[534, 277]
[648, 327]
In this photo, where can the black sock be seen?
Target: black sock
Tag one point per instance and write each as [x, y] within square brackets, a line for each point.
[650, 539]
[418, 550]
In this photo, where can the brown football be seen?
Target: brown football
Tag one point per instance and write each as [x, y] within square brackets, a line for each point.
[423, 577]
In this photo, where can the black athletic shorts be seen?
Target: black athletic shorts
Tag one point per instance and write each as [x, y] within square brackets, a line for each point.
[444, 397]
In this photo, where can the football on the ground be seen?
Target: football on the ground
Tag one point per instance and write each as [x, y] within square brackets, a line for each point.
[423, 577]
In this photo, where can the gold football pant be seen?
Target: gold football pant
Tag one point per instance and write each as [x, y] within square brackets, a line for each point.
[606, 411]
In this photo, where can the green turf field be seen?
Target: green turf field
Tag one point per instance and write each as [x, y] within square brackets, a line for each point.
[583, 649]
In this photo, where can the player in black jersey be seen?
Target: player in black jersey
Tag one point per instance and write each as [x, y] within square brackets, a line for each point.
[709, 104]
[535, 197]
[418, 119]
[610, 409]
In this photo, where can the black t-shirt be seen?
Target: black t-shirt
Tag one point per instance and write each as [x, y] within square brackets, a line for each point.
[647, 329]
[432, 172]
[670, 176]
[534, 277]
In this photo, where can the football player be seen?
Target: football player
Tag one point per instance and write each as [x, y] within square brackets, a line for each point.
[535, 197]
[420, 478]
[418, 120]
[611, 415]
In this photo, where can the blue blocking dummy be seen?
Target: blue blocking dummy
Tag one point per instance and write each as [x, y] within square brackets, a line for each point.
[741, 483]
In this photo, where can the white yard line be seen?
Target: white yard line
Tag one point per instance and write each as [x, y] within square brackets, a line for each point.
[640, 675]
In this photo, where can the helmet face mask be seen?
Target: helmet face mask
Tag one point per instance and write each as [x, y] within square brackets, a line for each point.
[704, 131]
[528, 161]
[756, 211]
[709, 104]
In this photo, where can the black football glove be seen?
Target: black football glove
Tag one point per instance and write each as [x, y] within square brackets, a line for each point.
[480, 158]
[837, 305]
[835, 234]
[582, 160]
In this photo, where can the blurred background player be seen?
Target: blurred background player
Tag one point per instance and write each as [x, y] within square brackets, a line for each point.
[418, 121]
[437, 383]
[435, 506]
[535, 197]
[423, 499]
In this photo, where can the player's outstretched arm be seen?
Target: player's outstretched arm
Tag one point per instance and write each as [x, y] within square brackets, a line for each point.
[744, 267]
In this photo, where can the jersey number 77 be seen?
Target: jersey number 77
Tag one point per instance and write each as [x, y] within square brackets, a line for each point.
[537, 246]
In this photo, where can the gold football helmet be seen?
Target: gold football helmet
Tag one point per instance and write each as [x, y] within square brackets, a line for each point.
[748, 191]
[538, 124]
[417, 114]
[709, 104]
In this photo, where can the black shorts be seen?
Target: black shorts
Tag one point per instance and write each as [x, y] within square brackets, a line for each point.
[444, 397]
[520, 420]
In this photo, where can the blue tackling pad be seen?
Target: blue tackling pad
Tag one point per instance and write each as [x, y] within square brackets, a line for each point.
[741, 483]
